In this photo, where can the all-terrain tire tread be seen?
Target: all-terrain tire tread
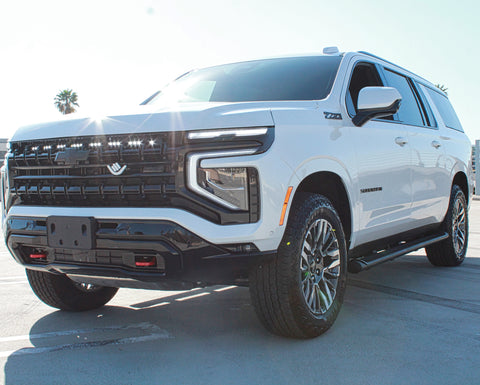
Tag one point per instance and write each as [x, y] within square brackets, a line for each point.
[271, 280]
[443, 253]
[60, 292]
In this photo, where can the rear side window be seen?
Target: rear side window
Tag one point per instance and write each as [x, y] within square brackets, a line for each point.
[409, 112]
[445, 109]
[430, 118]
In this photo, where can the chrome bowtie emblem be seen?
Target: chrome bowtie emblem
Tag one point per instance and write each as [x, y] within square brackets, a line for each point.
[116, 169]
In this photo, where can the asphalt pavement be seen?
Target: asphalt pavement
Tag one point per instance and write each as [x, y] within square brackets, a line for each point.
[403, 322]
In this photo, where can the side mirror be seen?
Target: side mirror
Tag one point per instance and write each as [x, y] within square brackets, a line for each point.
[376, 102]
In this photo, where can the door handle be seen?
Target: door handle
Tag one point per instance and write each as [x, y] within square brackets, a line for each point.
[401, 141]
[436, 144]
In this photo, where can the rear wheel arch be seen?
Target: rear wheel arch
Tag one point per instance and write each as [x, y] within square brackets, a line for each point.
[332, 187]
[461, 181]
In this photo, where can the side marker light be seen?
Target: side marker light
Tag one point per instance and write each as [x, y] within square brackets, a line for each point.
[285, 205]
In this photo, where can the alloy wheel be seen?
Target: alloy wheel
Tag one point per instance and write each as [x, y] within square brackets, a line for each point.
[320, 266]
[458, 226]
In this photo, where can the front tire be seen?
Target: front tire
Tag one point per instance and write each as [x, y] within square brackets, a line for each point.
[62, 293]
[299, 293]
[452, 251]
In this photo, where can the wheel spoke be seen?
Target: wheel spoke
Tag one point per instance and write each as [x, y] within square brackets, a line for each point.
[334, 253]
[325, 233]
[326, 248]
[319, 229]
[460, 238]
[305, 258]
[307, 246]
[333, 265]
[332, 285]
[311, 299]
[306, 285]
[320, 266]
[332, 274]
[327, 293]
[459, 226]
[323, 300]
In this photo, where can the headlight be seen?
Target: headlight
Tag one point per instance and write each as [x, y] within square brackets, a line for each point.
[235, 188]
[228, 184]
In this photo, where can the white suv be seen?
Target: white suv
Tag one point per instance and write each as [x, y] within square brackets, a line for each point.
[280, 174]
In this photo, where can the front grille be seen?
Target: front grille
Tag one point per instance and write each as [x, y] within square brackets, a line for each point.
[141, 170]
[80, 171]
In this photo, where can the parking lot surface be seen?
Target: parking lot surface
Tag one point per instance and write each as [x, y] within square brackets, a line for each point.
[403, 322]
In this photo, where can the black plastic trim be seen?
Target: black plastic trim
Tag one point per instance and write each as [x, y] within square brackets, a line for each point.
[182, 259]
[360, 264]
[364, 116]
[394, 240]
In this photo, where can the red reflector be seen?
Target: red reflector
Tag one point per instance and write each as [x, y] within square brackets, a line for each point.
[145, 263]
[38, 256]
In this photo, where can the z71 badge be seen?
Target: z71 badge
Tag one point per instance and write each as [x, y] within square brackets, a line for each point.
[333, 115]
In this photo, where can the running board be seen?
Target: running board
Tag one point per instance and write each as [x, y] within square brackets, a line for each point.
[364, 263]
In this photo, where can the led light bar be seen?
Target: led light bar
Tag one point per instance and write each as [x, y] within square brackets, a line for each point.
[238, 132]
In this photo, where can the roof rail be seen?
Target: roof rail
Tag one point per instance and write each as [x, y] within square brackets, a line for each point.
[381, 58]
[396, 65]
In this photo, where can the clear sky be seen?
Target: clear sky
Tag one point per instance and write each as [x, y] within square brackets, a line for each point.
[115, 53]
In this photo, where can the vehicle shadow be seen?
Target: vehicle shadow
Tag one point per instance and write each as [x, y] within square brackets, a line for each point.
[213, 336]
[69, 347]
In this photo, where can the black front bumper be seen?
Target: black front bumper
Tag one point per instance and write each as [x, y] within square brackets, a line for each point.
[137, 254]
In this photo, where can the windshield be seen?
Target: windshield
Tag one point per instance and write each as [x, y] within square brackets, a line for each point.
[298, 78]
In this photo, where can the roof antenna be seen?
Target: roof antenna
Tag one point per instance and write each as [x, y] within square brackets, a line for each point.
[330, 51]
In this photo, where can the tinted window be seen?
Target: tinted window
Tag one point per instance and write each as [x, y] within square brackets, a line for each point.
[300, 78]
[445, 109]
[426, 107]
[364, 75]
[409, 113]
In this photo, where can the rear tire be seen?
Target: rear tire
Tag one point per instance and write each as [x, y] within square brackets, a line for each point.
[452, 251]
[62, 293]
[299, 293]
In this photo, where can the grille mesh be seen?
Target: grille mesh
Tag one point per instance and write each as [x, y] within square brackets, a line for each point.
[74, 171]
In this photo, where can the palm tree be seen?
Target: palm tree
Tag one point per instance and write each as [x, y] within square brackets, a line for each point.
[65, 101]
[442, 88]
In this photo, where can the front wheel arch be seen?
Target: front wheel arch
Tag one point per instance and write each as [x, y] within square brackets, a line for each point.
[332, 187]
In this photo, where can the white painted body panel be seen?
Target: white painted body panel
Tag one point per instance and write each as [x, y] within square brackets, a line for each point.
[415, 178]
[191, 116]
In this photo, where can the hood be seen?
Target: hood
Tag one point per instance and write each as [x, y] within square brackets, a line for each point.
[144, 119]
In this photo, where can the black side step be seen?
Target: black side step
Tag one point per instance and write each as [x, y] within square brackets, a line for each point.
[364, 263]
